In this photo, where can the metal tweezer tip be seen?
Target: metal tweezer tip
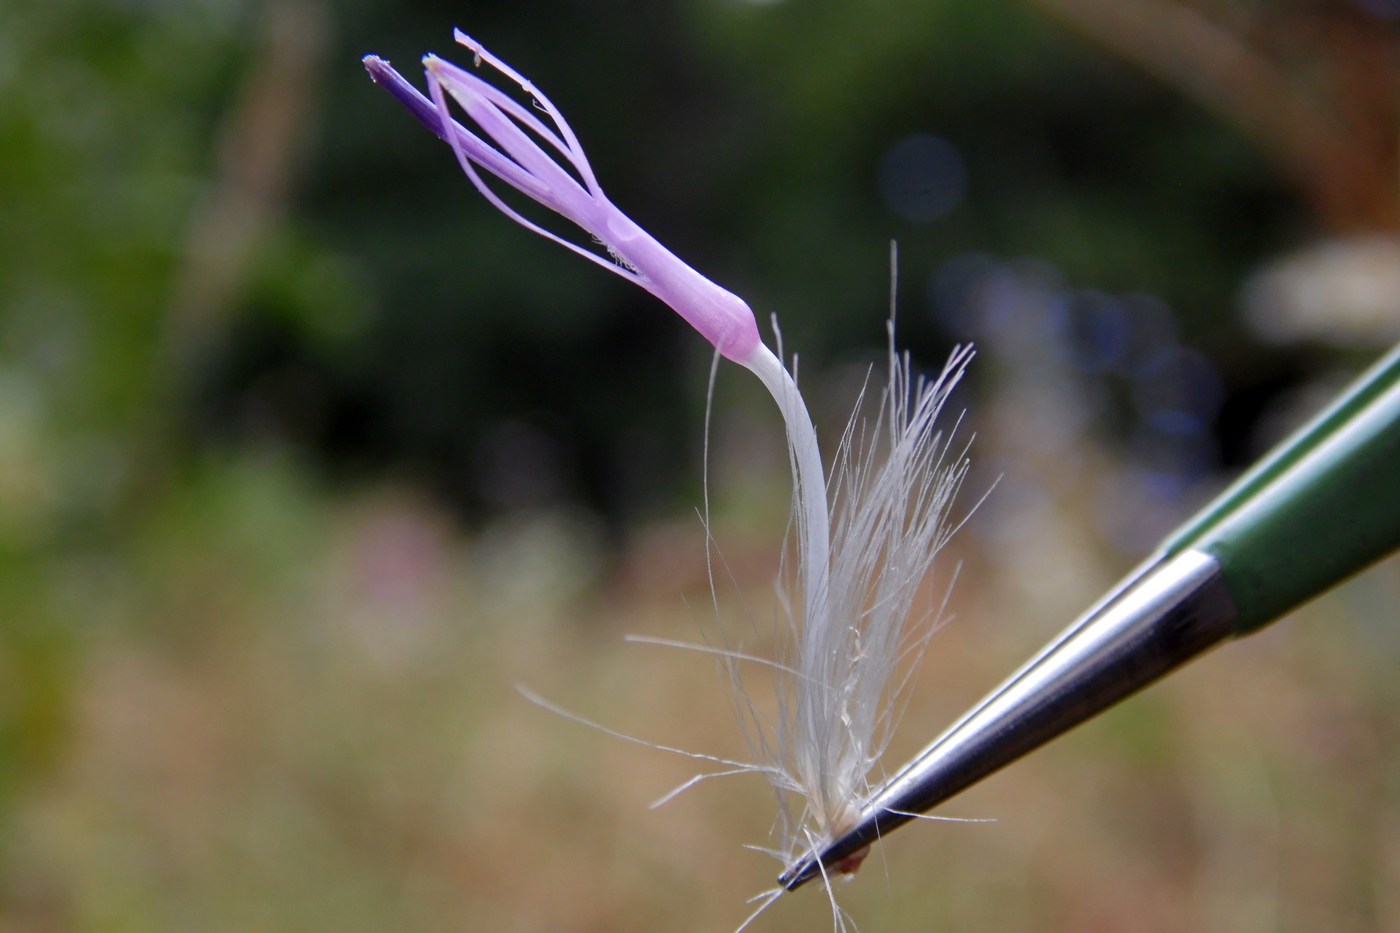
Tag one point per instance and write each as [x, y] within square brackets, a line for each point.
[1155, 621]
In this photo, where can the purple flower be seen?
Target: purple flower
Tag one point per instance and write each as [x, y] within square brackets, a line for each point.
[863, 547]
[543, 160]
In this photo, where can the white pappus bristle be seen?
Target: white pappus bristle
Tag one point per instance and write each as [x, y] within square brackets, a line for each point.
[861, 548]
[860, 551]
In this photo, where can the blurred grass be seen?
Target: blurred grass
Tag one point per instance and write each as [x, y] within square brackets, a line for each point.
[307, 458]
[297, 712]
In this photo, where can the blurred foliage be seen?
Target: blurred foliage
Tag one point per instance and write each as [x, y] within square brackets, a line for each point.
[306, 454]
[761, 127]
[372, 310]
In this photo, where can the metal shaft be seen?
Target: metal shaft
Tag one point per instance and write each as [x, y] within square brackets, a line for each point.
[1153, 626]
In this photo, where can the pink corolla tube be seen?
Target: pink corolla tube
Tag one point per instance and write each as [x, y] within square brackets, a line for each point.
[544, 161]
[526, 156]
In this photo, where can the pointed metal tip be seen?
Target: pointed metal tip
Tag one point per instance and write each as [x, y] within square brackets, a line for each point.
[799, 874]
[844, 855]
[1150, 625]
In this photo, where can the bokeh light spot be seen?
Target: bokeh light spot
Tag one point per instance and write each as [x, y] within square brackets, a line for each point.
[922, 178]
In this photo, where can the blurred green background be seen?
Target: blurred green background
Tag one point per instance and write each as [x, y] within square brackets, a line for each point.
[307, 456]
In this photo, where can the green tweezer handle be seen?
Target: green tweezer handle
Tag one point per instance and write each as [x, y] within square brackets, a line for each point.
[1323, 505]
